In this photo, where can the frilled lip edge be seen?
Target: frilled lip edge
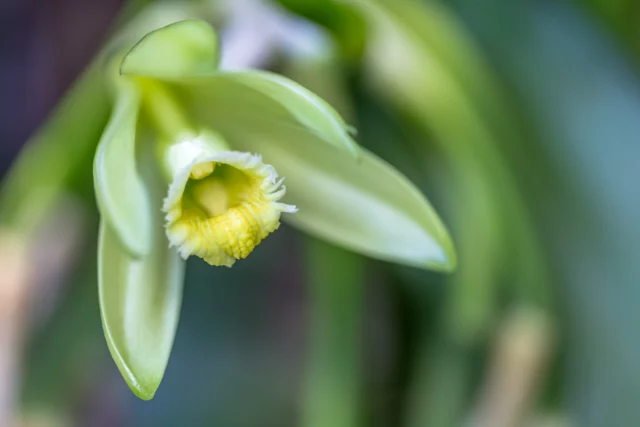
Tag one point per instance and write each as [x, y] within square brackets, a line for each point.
[272, 189]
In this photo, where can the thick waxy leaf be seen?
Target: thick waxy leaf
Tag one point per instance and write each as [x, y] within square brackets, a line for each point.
[364, 205]
[184, 48]
[120, 191]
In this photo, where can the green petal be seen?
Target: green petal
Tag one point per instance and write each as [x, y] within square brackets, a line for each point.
[364, 205]
[255, 99]
[185, 47]
[120, 191]
[140, 305]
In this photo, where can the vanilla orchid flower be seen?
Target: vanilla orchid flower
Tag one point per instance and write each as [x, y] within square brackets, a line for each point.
[194, 161]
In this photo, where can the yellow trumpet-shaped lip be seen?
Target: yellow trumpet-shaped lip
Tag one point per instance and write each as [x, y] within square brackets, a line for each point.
[221, 206]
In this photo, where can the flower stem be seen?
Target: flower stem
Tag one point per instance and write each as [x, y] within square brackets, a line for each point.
[439, 394]
[335, 280]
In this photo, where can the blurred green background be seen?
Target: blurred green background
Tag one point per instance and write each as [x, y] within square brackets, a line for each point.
[520, 120]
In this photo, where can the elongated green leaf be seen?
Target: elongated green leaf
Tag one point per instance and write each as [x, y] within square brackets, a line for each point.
[364, 205]
[184, 48]
[339, 17]
[121, 194]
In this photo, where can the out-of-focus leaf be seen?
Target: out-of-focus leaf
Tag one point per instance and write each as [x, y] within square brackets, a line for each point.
[335, 284]
[364, 205]
[140, 298]
[184, 48]
[52, 155]
[584, 98]
[340, 17]
[322, 73]
[470, 310]
[123, 200]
